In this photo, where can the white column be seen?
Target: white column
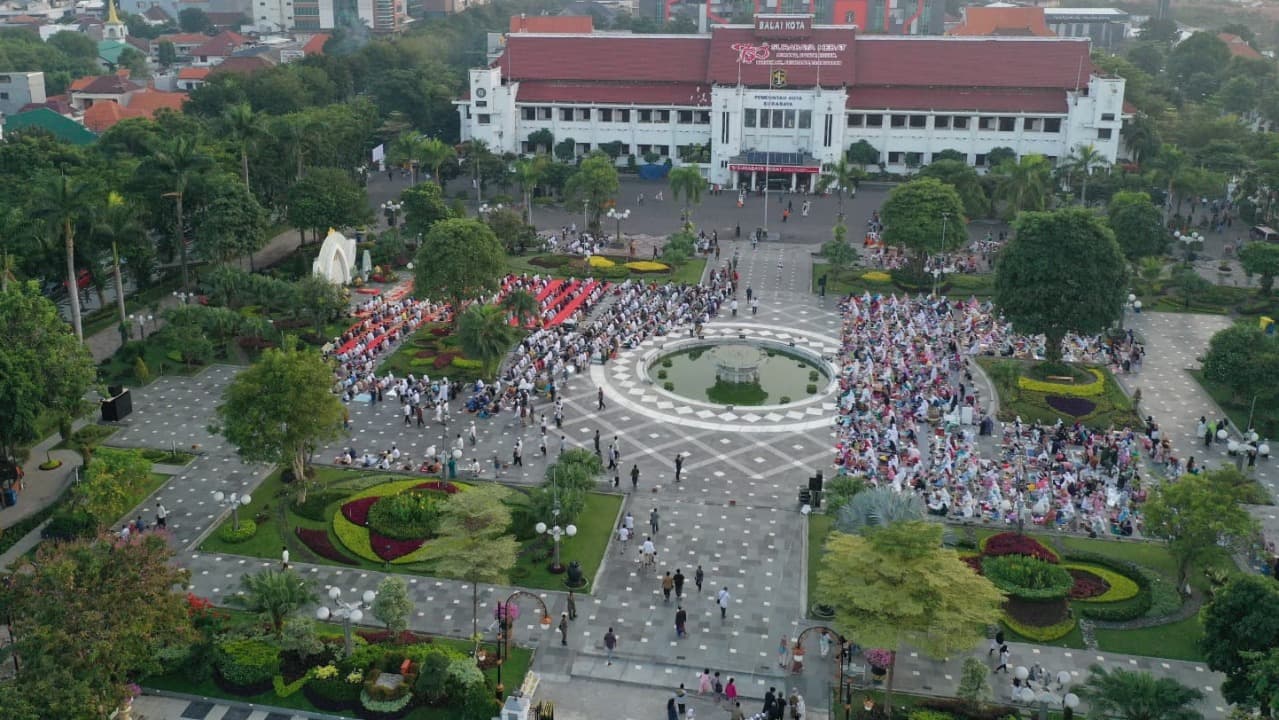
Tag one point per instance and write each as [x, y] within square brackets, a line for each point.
[754, 184]
[794, 181]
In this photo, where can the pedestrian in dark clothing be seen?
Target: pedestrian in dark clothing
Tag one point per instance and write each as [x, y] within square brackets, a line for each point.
[600, 397]
[698, 577]
[679, 465]
[635, 477]
[681, 622]
[679, 583]
[563, 628]
[572, 606]
[668, 584]
[597, 443]
[653, 520]
[671, 712]
[770, 699]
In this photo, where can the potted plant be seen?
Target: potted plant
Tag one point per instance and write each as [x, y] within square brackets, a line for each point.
[879, 659]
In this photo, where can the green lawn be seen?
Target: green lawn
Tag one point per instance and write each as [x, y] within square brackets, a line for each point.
[1073, 639]
[276, 520]
[819, 526]
[1175, 641]
[959, 285]
[594, 529]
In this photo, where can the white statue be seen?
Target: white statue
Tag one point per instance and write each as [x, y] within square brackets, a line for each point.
[336, 261]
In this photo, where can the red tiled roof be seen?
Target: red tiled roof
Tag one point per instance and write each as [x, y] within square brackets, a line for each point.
[241, 65]
[158, 14]
[623, 58]
[955, 62]
[221, 45]
[1238, 46]
[732, 49]
[183, 39]
[682, 94]
[194, 73]
[81, 83]
[979, 20]
[225, 19]
[552, 24]
[1047, 100]
[315, 46]
[107, 85]
[106, 114]
[150, 102]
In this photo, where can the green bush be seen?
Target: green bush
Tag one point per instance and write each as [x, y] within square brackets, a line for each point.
[1027, 578]
[431, 679]
[929, 715]
[810, 388]
[315, 505]
[409, 515]
[462, 363]
[228, 533]
[661, 374]
[70, 524]
[247, 662]
[283, 689]
[666, 362]
[385, 707]
[1045, 633]
[669, 386]
[1125, 610]
[812, 376]
[784, 399]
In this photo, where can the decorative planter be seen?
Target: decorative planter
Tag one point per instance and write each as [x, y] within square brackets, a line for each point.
[823, 612]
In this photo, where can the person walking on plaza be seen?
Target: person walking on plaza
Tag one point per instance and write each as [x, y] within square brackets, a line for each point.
[564, 628]
[623, 538]
[284, 558]
[161, 516]
[572, 606]
[635, 477]
[600, 397]
[754, 306]
[653, 520]
[597, 442]
[723, 599]
[733, 306]
[679, 465]
[1004, 656]
[783, 651]
[681, 622]
[698, 577]
[472, 432]
[679, 584]
[668, 584]
[704, 682]
[730, 691]
[517, 454]
[610, 644]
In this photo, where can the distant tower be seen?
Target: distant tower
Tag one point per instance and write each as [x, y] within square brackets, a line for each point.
[1163, 10]
[113, 28]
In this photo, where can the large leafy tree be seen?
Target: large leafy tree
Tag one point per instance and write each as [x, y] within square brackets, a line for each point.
[62, 202]
[393, 605]
[327, 198]
[1138, 695]
[485, 335]
[1261, 259]
[112, 480]
[1137, 225]
[896, 585]
[963, 177]
[459, 259]
[280, 408]
[1197, 514]
[89, 617]
[594, 184]
[274, 595]
[1243, 359]
[42, 367]
[1063, 272]
[1241, 618]
[423, 207]
[473, 544]
[916, 213]
[116, 224]
[229, 222]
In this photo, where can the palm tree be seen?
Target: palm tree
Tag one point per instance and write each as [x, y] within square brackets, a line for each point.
[687, 182]
[1141, 135]
[115, 223]
[177, 162]
[435, 152]
[14, 231]
[1138, 695]
[1085, 159]
[522, 305]
[529, 173]
[244, 127]
[274, 594]
[1170, 168]
[1023, 183]
[877, 507]
[485, 335]
[61, 202]
[844, 177]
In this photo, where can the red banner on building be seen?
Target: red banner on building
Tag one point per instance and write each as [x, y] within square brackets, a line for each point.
[800, 169]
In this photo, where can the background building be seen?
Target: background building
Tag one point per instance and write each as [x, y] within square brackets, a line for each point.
[782, 98]
[18, 89]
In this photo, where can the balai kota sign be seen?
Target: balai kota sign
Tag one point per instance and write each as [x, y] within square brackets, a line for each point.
[778, 26]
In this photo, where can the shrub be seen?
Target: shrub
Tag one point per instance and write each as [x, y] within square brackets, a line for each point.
[601, 262]
[462, 363]
[247, 662]
[283, 689]
[668, 386]
[357, 510]
[315, 505]
[666, 362]
[615, 273]
[354, 538]
[962, 709]
[810, 388]
[877, 276]
[1009, 543]
[661, 374]
[1138, 606]
[406, 516]
[331, 692]
[929, 715]
[1119, 586]
[1073, 406]
[1045, 633]
[784, 399]
[812, 376]
[431, 678]
[1091, 389]
[1027, 578]
[647, 266]
[70, 524]
[229, 533]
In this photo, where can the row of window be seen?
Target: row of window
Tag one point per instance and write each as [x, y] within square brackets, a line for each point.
[778, 118]
[915, 159]
[641, 149]
[580, 114]
[1002, 123]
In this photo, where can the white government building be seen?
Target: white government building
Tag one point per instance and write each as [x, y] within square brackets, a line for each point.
[784, 97]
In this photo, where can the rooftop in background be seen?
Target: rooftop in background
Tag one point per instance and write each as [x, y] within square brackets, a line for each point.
[1238, 46]
[1002, 20]
[1096, 12]
[552, 24]
[63, 128]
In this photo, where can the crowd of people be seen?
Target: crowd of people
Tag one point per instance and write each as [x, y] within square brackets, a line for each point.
[908, 408]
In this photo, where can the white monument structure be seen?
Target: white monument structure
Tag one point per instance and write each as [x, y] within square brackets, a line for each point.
[336, 262]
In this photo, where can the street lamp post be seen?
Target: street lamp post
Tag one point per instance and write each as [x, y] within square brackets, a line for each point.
[585, 204]
[391, 209]
[142, 321]
[347, 612]
[1132, 303]
[619, 217]
[945, 217]
[183, 297]
[555, 531]
[233, 501]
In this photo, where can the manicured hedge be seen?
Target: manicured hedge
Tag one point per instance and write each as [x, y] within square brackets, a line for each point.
[318, 542]
[1045, 633]
[1121, 588]
[247, 665]
[1027, 578]
[1091, 389]
[1010, 543]
[229, 533]
[1131, 609]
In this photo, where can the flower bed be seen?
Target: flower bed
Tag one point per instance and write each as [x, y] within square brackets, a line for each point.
[351, 524]
[1041, 633]
[357, 511]
[1087, 585]
[1073, 406]
[1092, 389]
[1027, 578]
[1119, 587]
[1037, 613]
[318, 542]
[1009, 543]
[390, 548]
[647, 266]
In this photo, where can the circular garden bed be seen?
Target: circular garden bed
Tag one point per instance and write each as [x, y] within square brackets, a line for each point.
[392, 522]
